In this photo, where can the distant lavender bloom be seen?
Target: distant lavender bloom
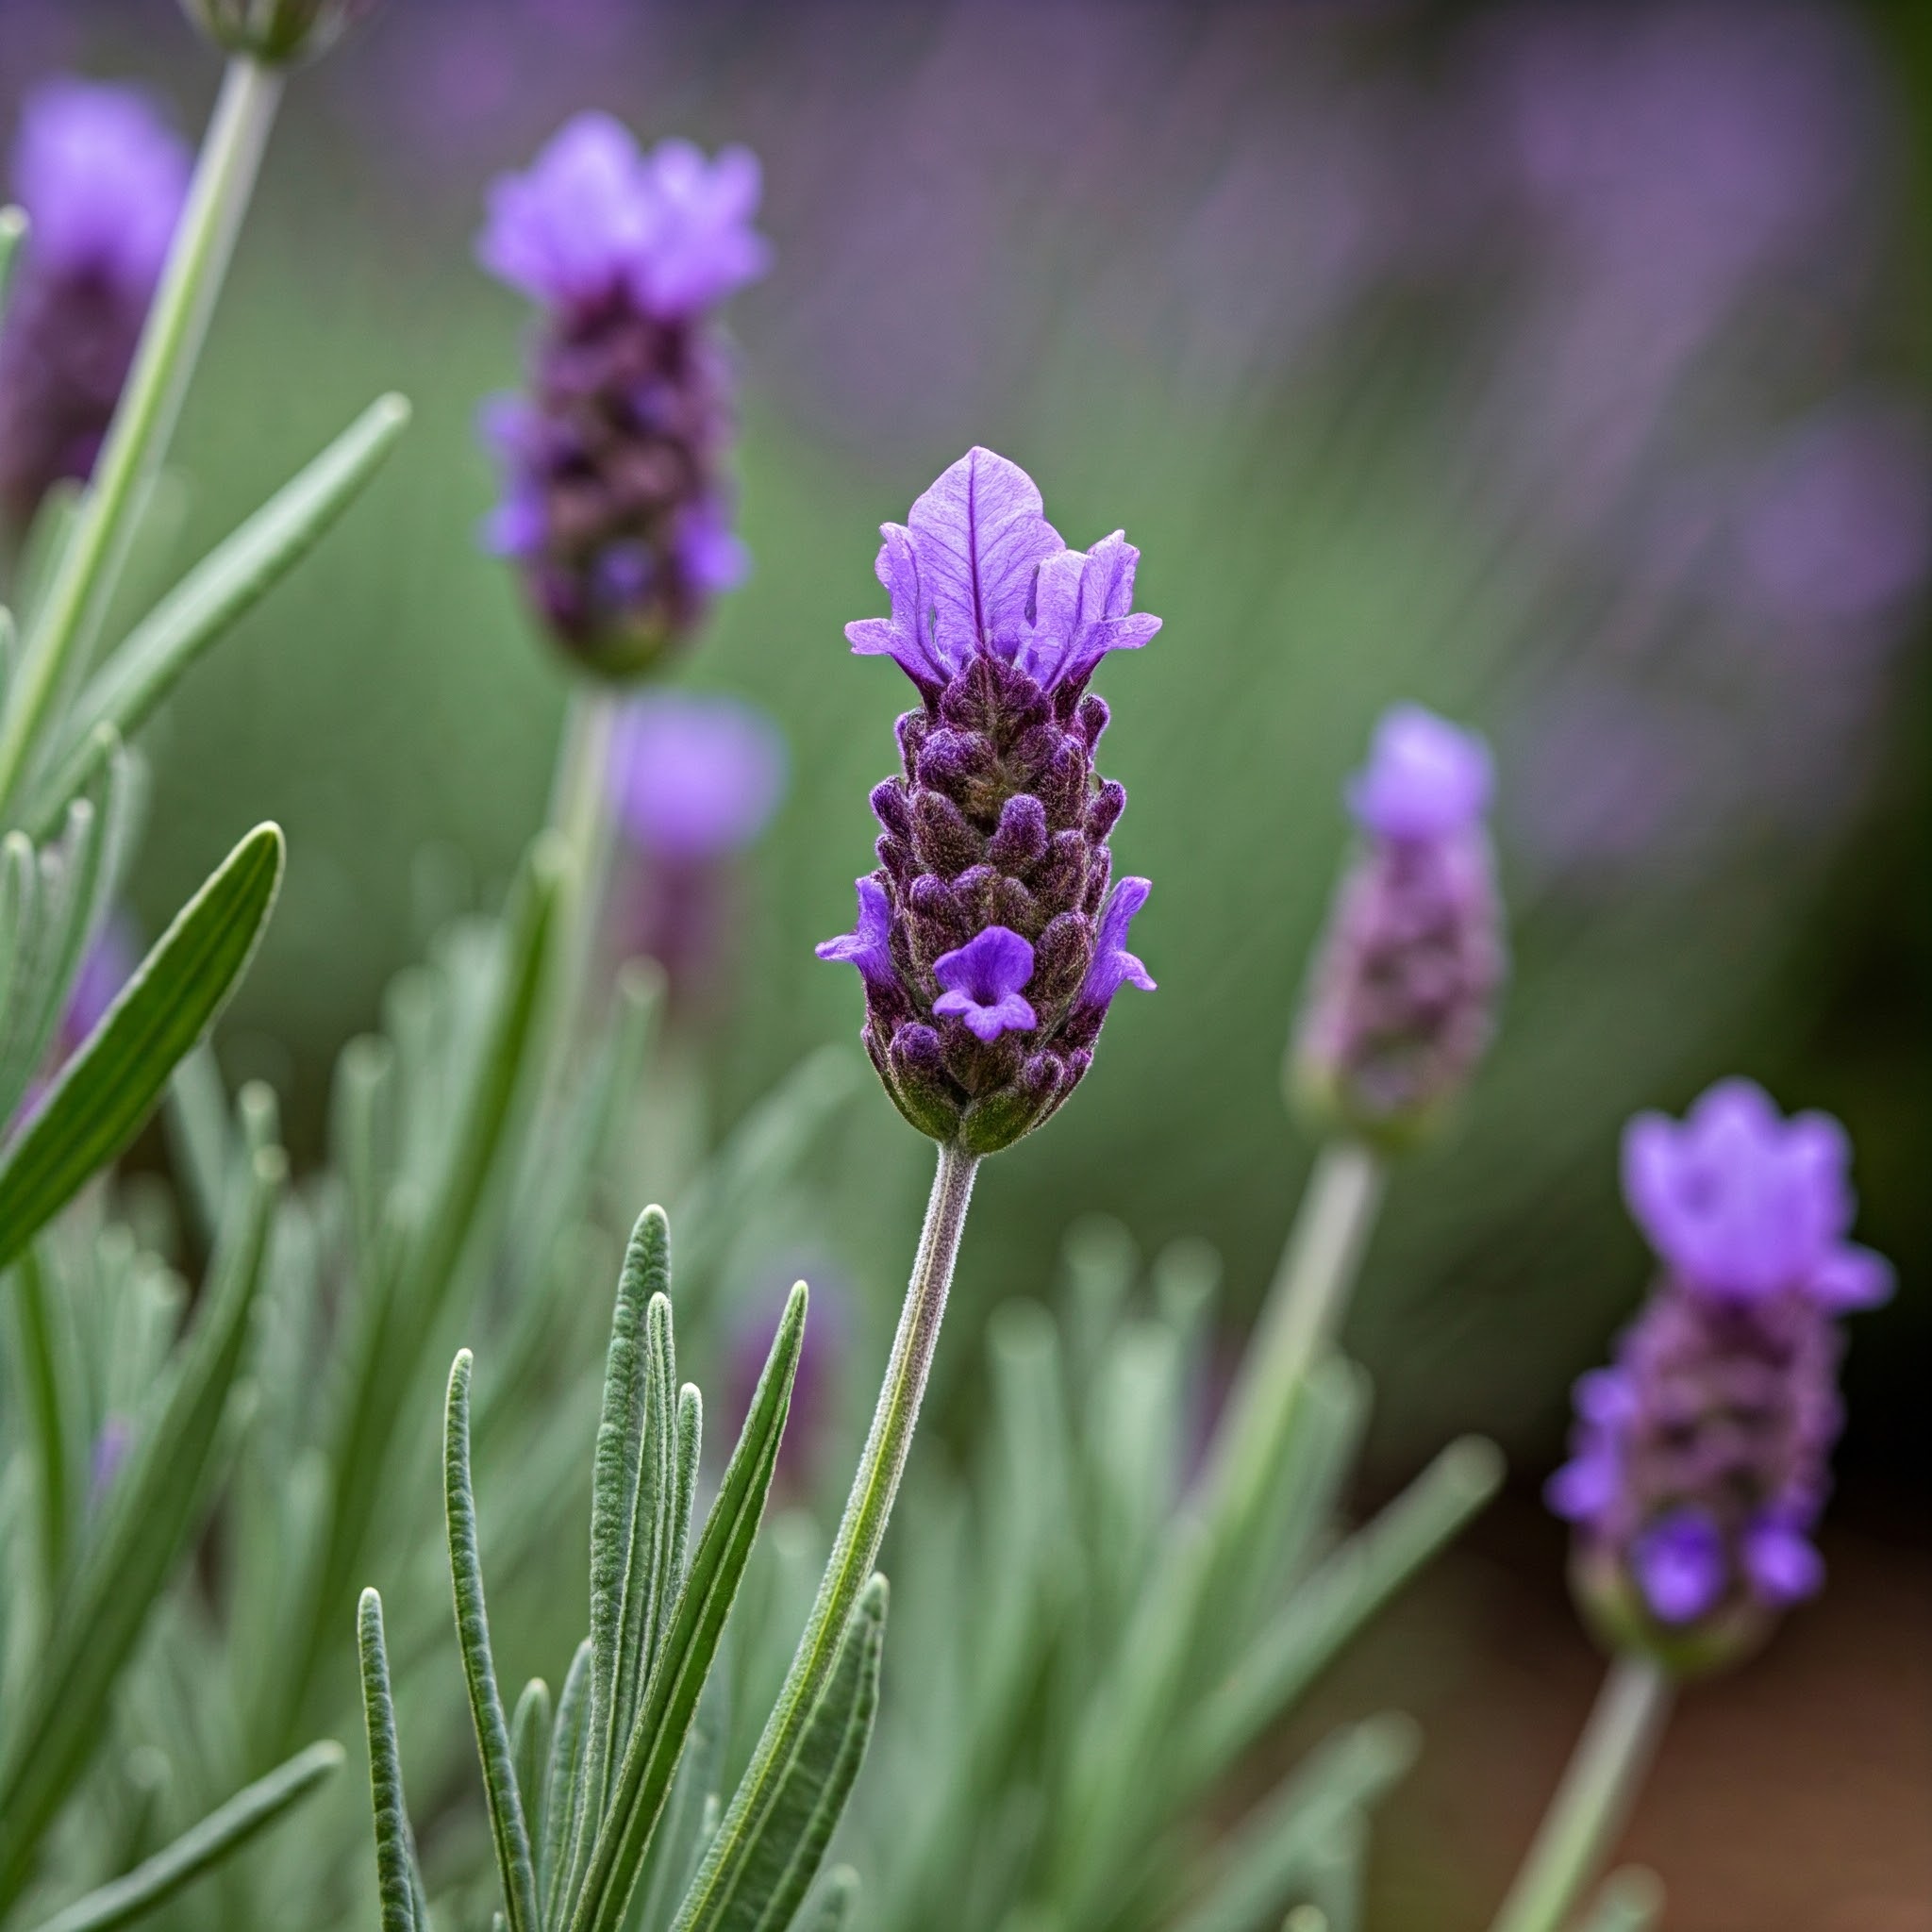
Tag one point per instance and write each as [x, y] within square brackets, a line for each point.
[102, 178]
[1401, 1004]
[989, 942]
[105, 969]
[814, 1410]
[616, 505]
[276, 31]
[1700, 1459]
[695, 780]
[111, 1449]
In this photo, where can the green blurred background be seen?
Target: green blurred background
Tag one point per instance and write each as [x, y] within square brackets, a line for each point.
[1561, 367]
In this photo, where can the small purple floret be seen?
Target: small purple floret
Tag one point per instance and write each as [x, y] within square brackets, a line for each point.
[1113, 965]
[1738, 1201]
[1680, 1565]
[983, 979]
[869, 945]
[1425, 778]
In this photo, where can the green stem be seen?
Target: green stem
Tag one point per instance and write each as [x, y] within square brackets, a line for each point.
[579, 810]
[90, 562]
[1299, 1321]
[861, 1530]
[1594, 1799]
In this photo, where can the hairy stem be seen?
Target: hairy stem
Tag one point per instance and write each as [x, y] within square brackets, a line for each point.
[862, 1527]
[90, 562]
[580, 810]
[1594, 1800]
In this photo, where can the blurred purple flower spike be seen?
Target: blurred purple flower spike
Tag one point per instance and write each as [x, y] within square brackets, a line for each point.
[1401, 997]
[1699, 1462]
[694, 776]
[989, 941]
[615, 501]
[102, 177]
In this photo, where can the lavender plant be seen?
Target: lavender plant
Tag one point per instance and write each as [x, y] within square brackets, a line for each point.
[1701, 1456]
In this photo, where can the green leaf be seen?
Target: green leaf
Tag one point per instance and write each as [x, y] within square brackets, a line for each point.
[47, 1352]
[769, 1883]
[1275, 1849]
[107, 1090]
[529, 1753]
[398, 1883]
[1336, 1601]
[507, 1831]
[1629, 1900]
[149, 1520]
[651, 1573]
[221, 589]
[696, 1624]
[563, 1786]
[217, 1837]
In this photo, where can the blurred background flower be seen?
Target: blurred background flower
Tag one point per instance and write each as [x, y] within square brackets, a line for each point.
[1562, 368]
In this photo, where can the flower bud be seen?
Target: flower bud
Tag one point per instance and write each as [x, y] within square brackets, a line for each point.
[1401, 1003]
[992, 938]
[616, 505]
[276, 32]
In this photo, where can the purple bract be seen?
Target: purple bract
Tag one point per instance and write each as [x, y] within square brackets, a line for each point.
[616, 506]
[988, 941]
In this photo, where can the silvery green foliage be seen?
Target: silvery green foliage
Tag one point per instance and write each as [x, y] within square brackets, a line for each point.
[1089, 1639]
[607, 1798]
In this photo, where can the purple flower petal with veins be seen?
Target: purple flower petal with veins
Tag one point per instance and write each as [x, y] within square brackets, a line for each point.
[983, 981]
[868, 946]
[1113, 965]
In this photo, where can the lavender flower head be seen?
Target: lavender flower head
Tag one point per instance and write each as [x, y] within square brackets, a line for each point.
[102, 178]
[1402, 999]
[1699, 1459]
[694, 778]
[616, 506]
[992, 938]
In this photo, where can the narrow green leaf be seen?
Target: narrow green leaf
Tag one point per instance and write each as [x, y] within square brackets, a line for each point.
[1270, 1855]
[46, 1354]
[690, 1439]
[529, 1751]
[151, 1516]
[1336, 1601]
[1629, 1900]
[218, 1836]
[564, 1785]
[1338, 1872]
[650, 1583]
[221, 589]
[111, 1085]
[196, 1117]
[507, 1831]
[769, 1883]
[691, 1813]
[398, 1884]
[696, 1625]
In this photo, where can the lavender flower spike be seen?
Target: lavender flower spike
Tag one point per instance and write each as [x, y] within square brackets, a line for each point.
[103, 179]
[1401, 1002]
[1699, 1461]
[616, 506]
[988, 941]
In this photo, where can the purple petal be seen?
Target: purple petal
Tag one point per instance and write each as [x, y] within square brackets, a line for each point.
[1425, 778]
[905, 636]
[1082, 610]
[1783, 1566]
[570, 227]
[698, 245]
[988, 967]
[981, 534]
[1679, 1563]
[1112, 963]
[868, 946]
[1583, 1488]
[1851, 1276]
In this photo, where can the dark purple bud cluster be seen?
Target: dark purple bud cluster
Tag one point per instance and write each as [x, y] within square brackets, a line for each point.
[1700, 1459]
[102, 179]
[992, 937]
[616, 503]
[1402, 1000]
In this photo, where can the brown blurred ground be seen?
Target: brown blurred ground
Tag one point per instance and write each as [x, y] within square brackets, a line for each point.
[1794, 1795]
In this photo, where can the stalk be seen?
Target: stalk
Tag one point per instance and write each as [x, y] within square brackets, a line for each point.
[90, 562]
[862, 1527]
[580, 810]
[1594, 1799]
[1305, 1303]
